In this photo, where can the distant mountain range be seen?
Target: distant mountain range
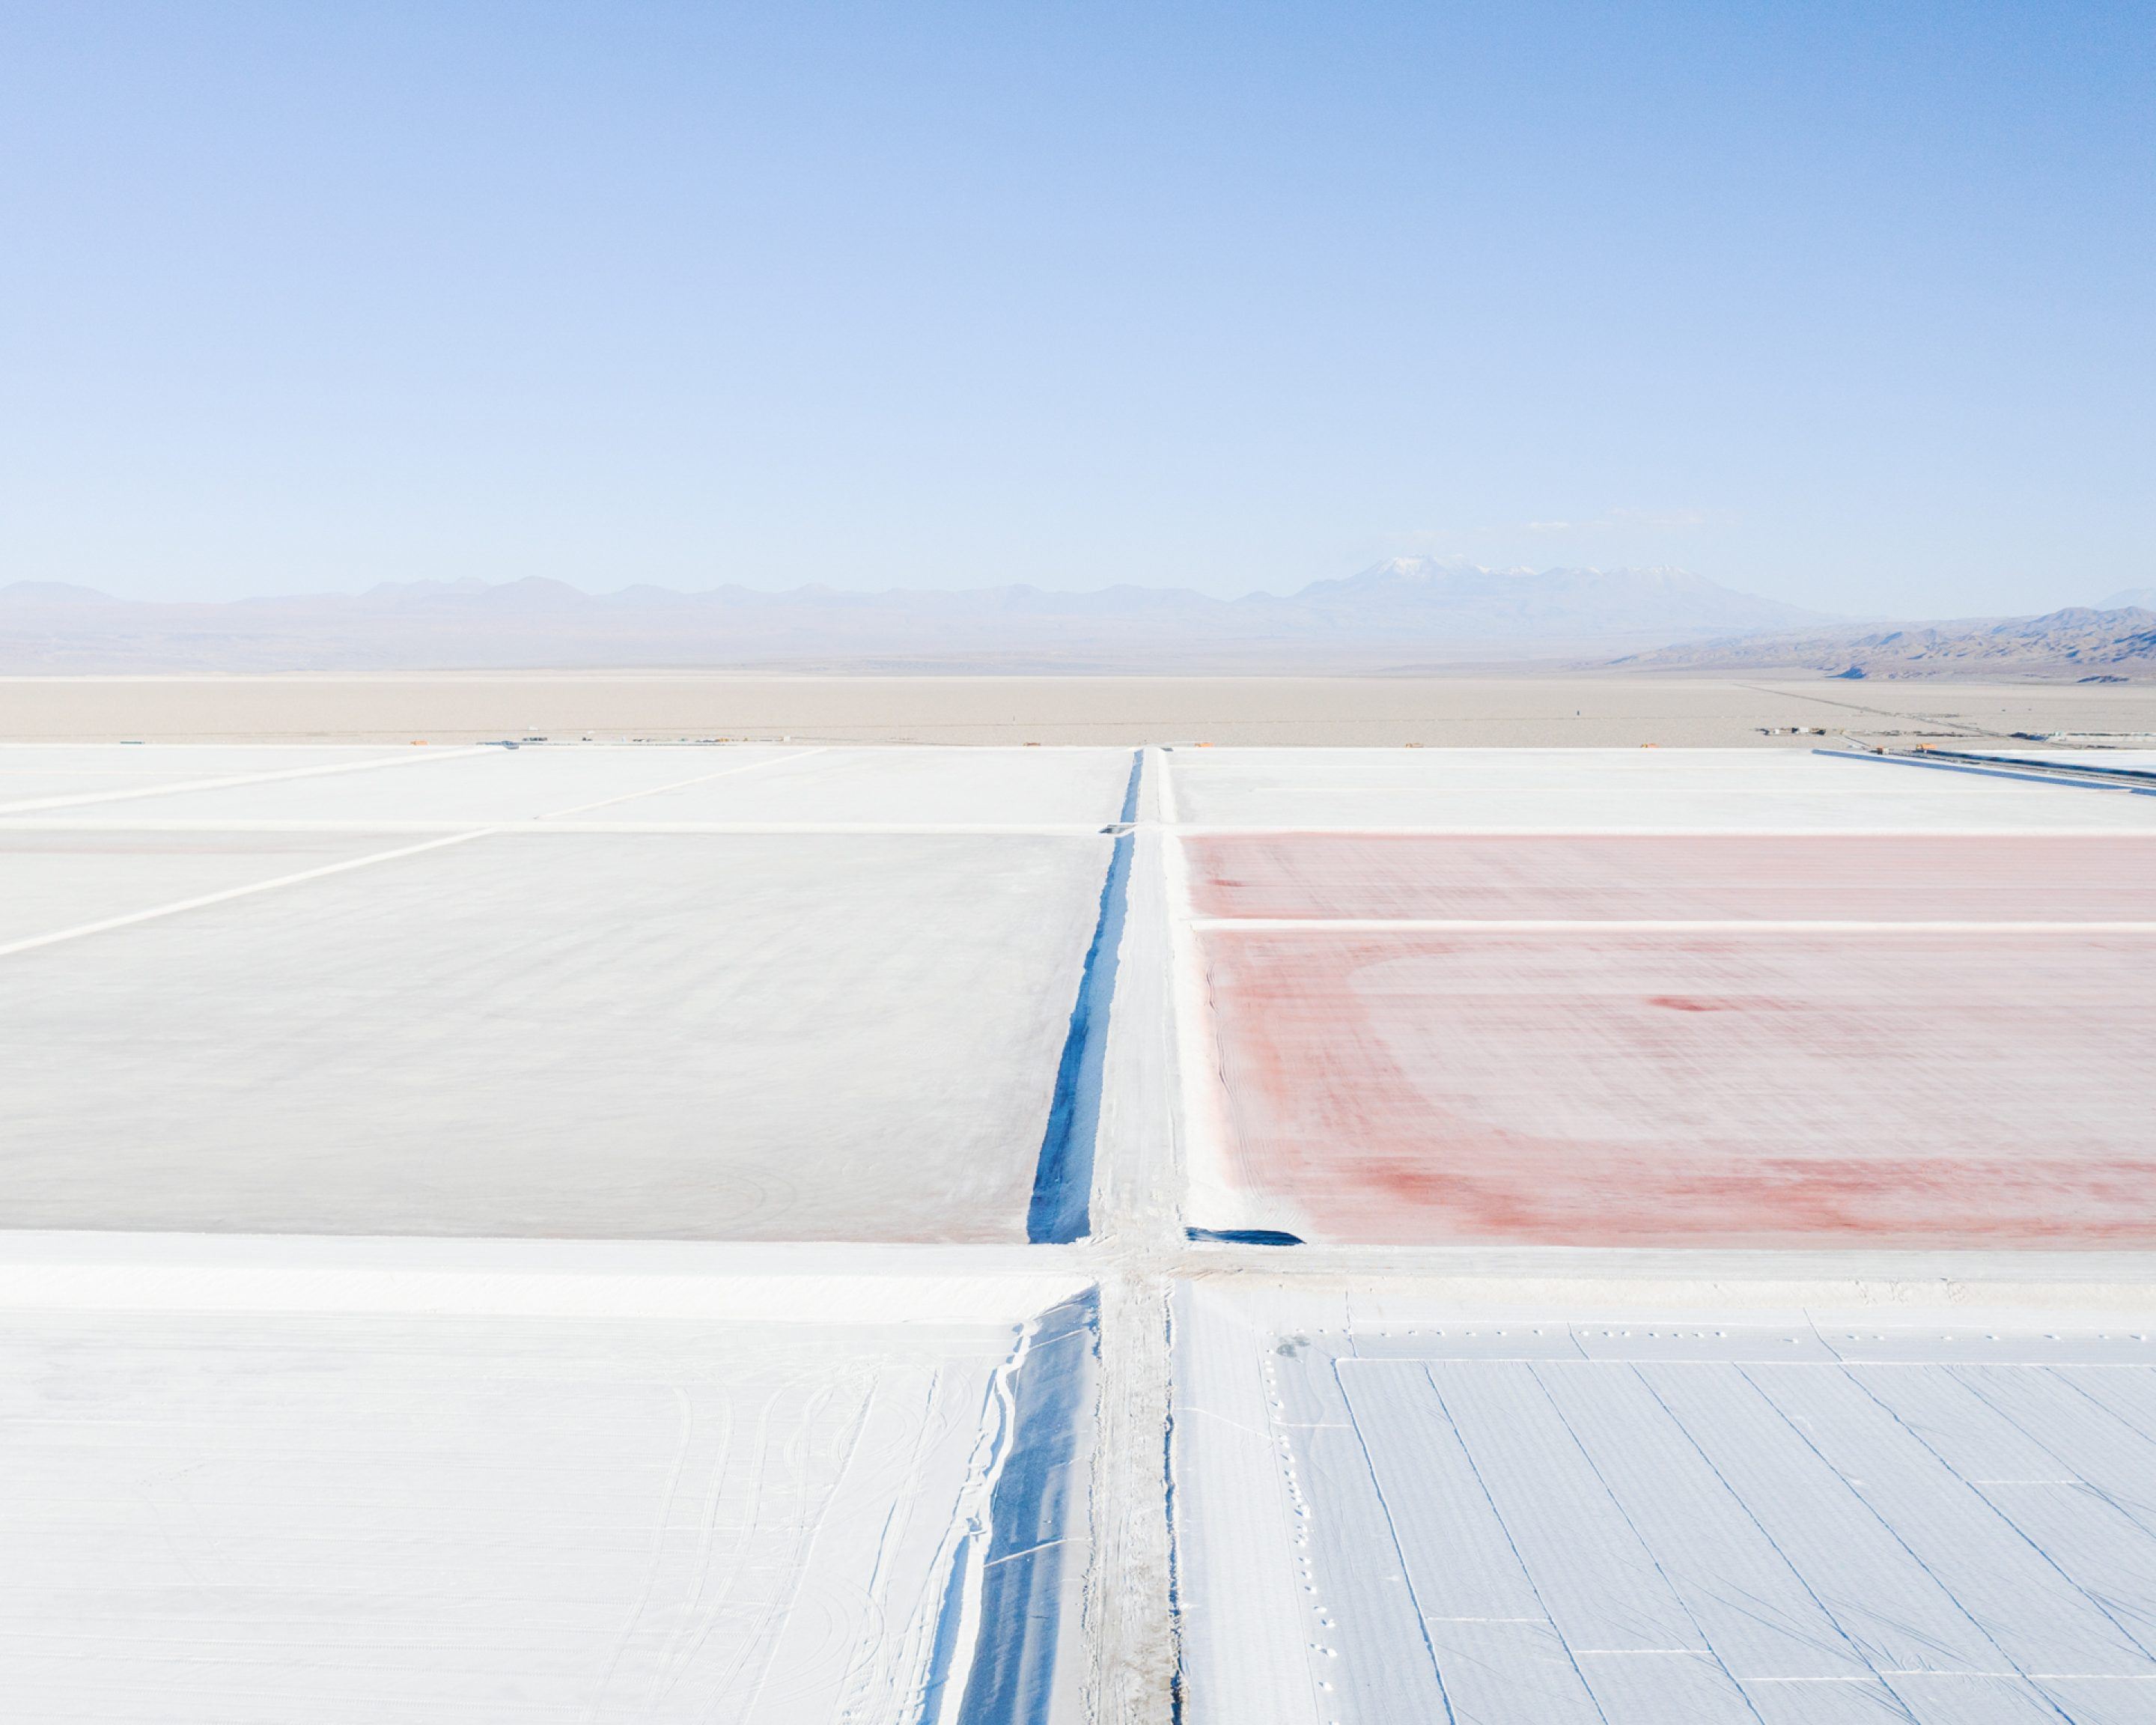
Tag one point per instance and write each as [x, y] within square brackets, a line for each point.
[1412, 611]
[2082, 644]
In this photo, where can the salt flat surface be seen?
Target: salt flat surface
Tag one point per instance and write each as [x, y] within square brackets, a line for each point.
[2002, 877]
[1605, 710]
[775, 784]
[667, 1474]
[1617, 791]
[249, 1516]
[1701, 999]
[765, 1038]
[1552, 1520]
[850, 1282]
[1758, 1087]
[469, 786]
[961, 786]
[39, 775]
[51, 881]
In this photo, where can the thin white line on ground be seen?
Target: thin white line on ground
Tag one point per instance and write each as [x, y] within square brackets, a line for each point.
[218, 898]
[1309, 830]
[234, 781]
[1047, 829]
[1874, 1677]
[1044, 1545]
[681, 783]
[1374, 1255]
[1657, 925]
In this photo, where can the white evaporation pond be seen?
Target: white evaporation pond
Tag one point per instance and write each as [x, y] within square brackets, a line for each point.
[35, 776]
[54, 881]
[764, 1037]
[959, 787]
[246, 1519]
[775, 784]
[462, 787]
[1621, 790]
[1706, 1522]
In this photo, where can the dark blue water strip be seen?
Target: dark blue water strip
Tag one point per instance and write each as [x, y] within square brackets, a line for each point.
[1245, 1236]
[1061, 1211]
[1012, 1680]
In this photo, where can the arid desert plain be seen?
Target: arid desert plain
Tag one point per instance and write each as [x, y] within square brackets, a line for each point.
[1461, 710]
[1330, 1201]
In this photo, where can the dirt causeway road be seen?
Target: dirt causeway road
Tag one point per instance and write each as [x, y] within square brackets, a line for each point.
[1450, 711]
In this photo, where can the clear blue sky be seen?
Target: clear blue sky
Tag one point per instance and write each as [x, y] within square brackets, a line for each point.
[1848, 304]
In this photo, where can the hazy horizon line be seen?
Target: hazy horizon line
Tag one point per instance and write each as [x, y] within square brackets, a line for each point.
[587, 588]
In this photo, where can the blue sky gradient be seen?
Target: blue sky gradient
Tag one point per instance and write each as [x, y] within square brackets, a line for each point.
[1850, 304]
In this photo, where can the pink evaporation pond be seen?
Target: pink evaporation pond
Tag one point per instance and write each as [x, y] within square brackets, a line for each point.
[1760, 1088]
[1619, 877]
